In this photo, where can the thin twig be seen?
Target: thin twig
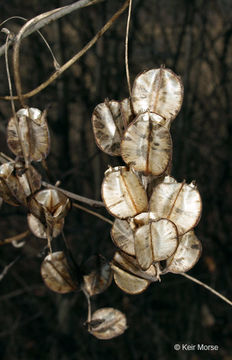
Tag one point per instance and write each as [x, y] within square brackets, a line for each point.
[44, 19]
[126, 47]
[70, 62]
[15, 238]
[207, 287]
[7, 268]
[71, 195]
[93, 213]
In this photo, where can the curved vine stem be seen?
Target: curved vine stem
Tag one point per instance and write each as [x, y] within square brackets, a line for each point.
[126, 47]
[208, 288]
[64, 67]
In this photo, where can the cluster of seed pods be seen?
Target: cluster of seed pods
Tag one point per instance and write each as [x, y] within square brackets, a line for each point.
[20, 184]
[154, 214]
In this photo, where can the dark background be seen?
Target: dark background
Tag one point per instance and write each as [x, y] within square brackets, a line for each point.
[194, 39]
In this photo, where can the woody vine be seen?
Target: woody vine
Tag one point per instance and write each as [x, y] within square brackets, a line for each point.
[154, 216]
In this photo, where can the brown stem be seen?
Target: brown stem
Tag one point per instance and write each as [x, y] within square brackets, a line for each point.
[93, 213]
[15, 238]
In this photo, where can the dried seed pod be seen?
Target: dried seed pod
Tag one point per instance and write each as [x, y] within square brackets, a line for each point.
[123, 193]
[126, 112]
[40, 230]
[97, 275]
[178, 202]
[29, 179]
[108, 126]
[123, 236]
[155, 241]
[54, 203]
[56, 275]
[128, 275]
[159, 91]
[147, 145]
[143, 219]
[107, 323]
[11, 190]
[187, 254]
[34, 134]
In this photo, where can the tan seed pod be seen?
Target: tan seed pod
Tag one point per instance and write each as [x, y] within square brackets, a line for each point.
[187, 254]
[56, 275]
[159, 91]
[143, 218]
[35, 180]
[128, 275]
[97, 275]
[178, 202]
[155, 241]
[11, 190]
[123, 193]
[123, 236]
[108, 126]
[39, 229]
[34, 134]
[107, 323]
[147, 145]
[126, 112]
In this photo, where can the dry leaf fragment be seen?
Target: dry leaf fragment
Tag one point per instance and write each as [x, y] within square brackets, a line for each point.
[155, 241]
[97, 275]
[159, 91]
[108, 126]
[56, 275]
[128, 275]
[123, 193]
[107, 323]
[147, 144]
[178, 202]
[123, 236]
[187, 254]
[34, 134]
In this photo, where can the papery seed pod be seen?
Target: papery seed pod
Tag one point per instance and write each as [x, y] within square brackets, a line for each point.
[40, 230]
[159, 91]
[123, 193]
[108, 126]
[54, 204]
[97, 275]
[187, 254]
[143, 219]
[123, 236]
[126, 112]
[29, 179]
[178, 202]
[147, 144]
[56, 275]
[155, 241]
[107, 323]
[128, 275]
[11, 190]
[34, 134]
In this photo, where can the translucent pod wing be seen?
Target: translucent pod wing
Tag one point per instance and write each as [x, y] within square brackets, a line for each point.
[39, 229]
[147, 144]
[187, 254]
[123, 236]
[178, 202]
[123, 193]
[108, 126]
[155, 241]
[107, 323]
[56, 275]
[159, 91]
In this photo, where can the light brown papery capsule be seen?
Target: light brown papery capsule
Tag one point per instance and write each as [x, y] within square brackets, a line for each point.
[187, 254]
[107, 323]
[32, 185]
[147, 144]
[97, 275]
[39, 229]
[123, 193]
[155, 241]
[159, 91]
[128, 275]
[10, 188]
[178, 202]
[126, 112]
[55, 273]
[34, 134]
[108, 126]
[123, 236]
